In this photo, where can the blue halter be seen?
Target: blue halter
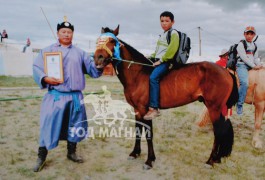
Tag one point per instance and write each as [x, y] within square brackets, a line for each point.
[116, 53]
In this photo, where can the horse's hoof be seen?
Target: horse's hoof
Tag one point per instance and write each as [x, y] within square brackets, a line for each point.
[217, 161]
[146, 167]
[257, 144]
[208, 166]
[210, 163]
[131, 158]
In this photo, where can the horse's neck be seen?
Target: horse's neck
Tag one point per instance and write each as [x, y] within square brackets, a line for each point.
[128, 73]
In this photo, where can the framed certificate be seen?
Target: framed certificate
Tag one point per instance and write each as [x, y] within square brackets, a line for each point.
[53, 64]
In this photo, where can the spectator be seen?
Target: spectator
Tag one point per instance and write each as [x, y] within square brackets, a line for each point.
[223, 58]
[4, 35]
[27, 45]
[61, 110]
[222, 62]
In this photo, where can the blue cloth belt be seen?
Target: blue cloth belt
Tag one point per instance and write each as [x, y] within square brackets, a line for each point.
[74, 95]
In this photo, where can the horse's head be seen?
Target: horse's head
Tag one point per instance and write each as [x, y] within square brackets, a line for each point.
[108, 47]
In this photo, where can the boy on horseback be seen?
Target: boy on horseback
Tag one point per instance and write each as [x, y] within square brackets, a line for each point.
[164, 53]
[248, 59]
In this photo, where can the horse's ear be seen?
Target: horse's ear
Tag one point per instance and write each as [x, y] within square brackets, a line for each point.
[102, 30]
[116, 31]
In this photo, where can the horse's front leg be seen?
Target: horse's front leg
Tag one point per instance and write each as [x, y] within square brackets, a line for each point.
[149, 137]
[137, 147]
[259, 110]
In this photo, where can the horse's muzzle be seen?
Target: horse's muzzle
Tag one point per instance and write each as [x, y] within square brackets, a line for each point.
[101, 61]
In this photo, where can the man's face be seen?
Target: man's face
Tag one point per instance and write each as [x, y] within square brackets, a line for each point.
[166, 23]
[249, 36]
[65, 36]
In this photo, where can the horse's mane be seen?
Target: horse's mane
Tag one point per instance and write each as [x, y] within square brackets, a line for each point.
[138, 57]
[136, 54]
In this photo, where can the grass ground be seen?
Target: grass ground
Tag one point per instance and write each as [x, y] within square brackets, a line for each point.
[181, 147]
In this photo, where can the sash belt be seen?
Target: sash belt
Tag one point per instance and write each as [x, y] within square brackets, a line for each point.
[74, 95]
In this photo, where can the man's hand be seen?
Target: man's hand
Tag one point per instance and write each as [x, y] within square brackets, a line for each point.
[257, 67]
[52, 81]
[156, 63]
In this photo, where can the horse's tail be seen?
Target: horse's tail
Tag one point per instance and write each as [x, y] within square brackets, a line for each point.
[224, 138]
[223, 129]
[233, 98]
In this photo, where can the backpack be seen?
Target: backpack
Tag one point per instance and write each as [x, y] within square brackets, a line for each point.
[233, 56]
[183, 52]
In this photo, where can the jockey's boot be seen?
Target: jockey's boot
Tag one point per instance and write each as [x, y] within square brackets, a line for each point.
[152, 113]
[239, 110]
[71, 155]
[42, 154]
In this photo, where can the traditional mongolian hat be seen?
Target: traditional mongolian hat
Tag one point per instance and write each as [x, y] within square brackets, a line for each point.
[65, 24]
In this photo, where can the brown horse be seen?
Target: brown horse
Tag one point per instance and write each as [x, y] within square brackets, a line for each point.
[203, 81]
[256, 96]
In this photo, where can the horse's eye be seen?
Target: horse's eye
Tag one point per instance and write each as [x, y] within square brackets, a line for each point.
[112, 41]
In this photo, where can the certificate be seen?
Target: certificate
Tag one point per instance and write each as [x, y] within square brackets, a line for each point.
[54, 65]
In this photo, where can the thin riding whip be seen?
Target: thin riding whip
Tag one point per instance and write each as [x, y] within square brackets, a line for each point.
[48, 23]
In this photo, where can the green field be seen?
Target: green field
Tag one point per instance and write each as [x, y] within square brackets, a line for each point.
[181, 147]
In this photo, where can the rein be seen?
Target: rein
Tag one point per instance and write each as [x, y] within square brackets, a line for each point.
[132, 62]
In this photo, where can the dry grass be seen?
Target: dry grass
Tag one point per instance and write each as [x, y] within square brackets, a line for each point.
[181, 147]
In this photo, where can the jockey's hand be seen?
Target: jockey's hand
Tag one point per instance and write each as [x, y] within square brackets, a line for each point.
[257, 67]
[156, 63]
[52, 81]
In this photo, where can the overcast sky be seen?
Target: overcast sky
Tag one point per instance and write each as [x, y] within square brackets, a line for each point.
[222, 21]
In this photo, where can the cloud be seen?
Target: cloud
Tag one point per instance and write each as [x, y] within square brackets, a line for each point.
[225, 5]
[231, 5]
[222, 22]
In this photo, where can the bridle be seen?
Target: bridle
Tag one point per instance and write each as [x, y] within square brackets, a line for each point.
[102, 44]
